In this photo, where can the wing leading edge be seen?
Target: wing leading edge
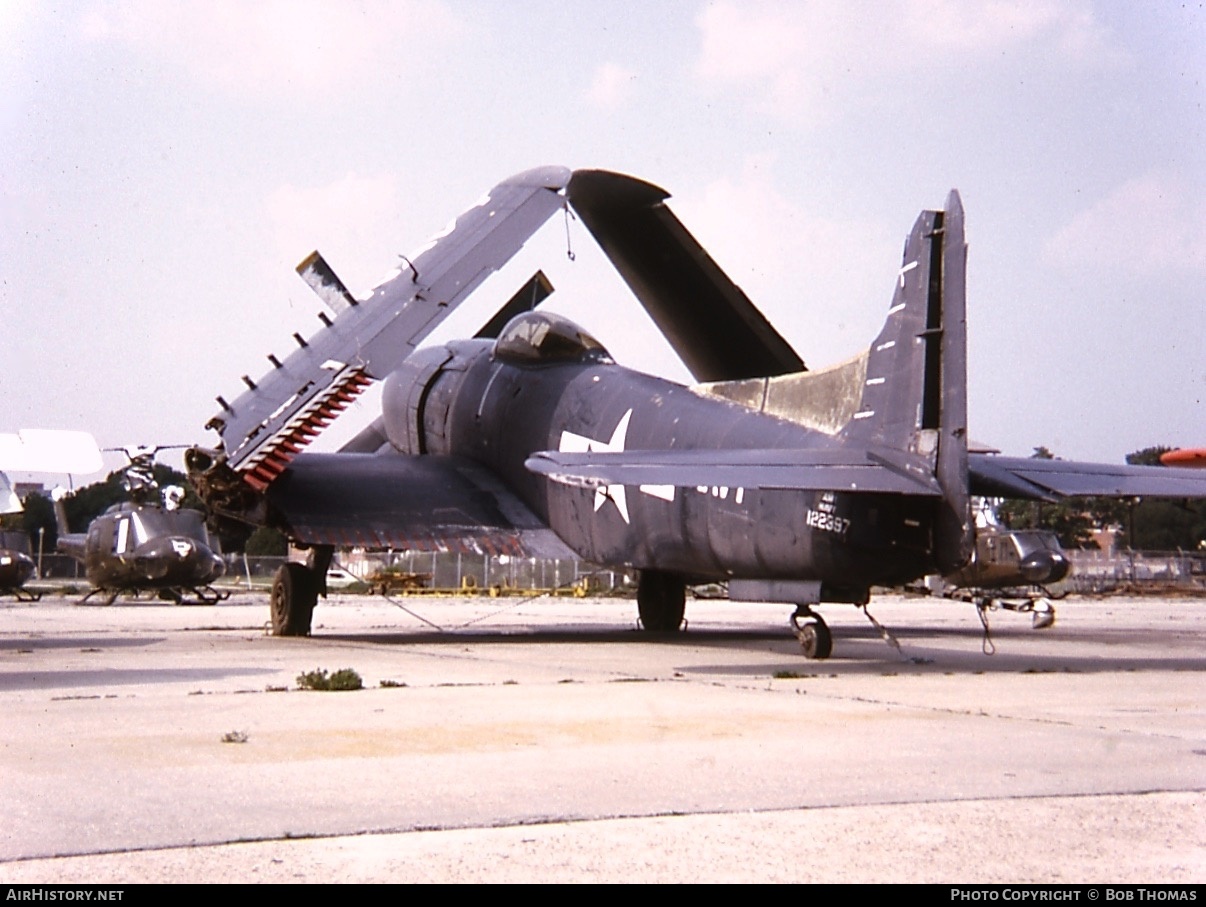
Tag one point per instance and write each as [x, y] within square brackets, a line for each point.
[1048, 480]
[406, 502]
[875, 469]
[880, 470]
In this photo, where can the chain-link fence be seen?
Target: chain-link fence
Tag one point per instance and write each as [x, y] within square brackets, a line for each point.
[425, 571]
[59, 567]
[410, 571]
[1109, 571]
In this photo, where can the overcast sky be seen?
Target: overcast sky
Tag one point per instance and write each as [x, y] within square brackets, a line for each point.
[164, 166]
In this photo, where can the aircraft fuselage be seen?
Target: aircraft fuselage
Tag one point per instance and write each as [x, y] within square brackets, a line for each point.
[463, 400]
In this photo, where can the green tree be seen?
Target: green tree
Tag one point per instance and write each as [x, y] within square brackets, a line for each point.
[267, 542]
[38, 516]
[1149, 456]
[87, 503]
[1154, 524]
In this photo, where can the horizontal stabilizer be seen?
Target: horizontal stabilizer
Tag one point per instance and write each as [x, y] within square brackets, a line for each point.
[266, 426]
[322, 279]
[1035, 479]
[835, 469]
[398, 502]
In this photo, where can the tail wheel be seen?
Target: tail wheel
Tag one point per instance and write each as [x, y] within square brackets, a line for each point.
[815, 639]
[661, 601]
[294, 595]
[813, 633]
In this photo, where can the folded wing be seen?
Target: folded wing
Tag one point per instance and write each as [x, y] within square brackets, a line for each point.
[266, 426]
[711, 324]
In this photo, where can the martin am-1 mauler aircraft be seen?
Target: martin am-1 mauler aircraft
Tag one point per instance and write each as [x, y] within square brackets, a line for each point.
[786, 484]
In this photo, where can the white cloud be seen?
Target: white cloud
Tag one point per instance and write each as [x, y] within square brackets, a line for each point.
[612, 86]
[272, 46]
[1151, 225]
[823, 281]
[348, 220]
[799, 57]
[991, 25]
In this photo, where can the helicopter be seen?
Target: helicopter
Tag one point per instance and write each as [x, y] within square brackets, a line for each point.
[147, 543]
[34, 450]
[16, 565]
[1009, 569]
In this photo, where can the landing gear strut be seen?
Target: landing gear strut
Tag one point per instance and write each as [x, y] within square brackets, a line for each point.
[661, 601]
[812, 632]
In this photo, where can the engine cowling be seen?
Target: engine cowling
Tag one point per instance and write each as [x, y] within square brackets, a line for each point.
[417, 398]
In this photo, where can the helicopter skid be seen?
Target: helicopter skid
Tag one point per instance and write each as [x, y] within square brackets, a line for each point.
[22, 595]
[207, 595]
[177, 595]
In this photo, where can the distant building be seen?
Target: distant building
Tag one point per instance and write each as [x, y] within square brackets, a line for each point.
[1107, 537]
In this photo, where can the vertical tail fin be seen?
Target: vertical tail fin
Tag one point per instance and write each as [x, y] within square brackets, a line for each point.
[908, 390]
[59, 496]
[914, 396]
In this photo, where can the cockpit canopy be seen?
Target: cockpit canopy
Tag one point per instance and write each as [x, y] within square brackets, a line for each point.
[1028, 541]
[137, 525]
[535, 337]
[14, 540]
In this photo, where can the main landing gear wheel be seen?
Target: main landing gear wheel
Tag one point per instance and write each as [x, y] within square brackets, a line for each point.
[812, 632]
[294, 595]
[661, 601]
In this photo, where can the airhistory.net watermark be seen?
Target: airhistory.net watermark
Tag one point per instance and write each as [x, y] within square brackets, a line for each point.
[64, 894]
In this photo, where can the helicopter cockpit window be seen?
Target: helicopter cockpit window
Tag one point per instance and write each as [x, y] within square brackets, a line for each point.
[122, 542]
[1030, 541]
[545, 337]
[154, 523]
[14, 541]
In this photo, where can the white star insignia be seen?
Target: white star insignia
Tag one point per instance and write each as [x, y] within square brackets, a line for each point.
[575, 443]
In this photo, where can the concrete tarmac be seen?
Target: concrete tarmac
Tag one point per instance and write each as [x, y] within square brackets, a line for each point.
[549, 740]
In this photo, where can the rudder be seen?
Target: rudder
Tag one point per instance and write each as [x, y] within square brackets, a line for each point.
[914, 395]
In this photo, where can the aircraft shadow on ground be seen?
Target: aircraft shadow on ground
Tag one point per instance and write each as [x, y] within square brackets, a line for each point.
[31, 642]
[97, 678]
[857, 650]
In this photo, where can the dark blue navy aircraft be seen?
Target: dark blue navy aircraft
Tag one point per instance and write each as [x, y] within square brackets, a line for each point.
[787, 485]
